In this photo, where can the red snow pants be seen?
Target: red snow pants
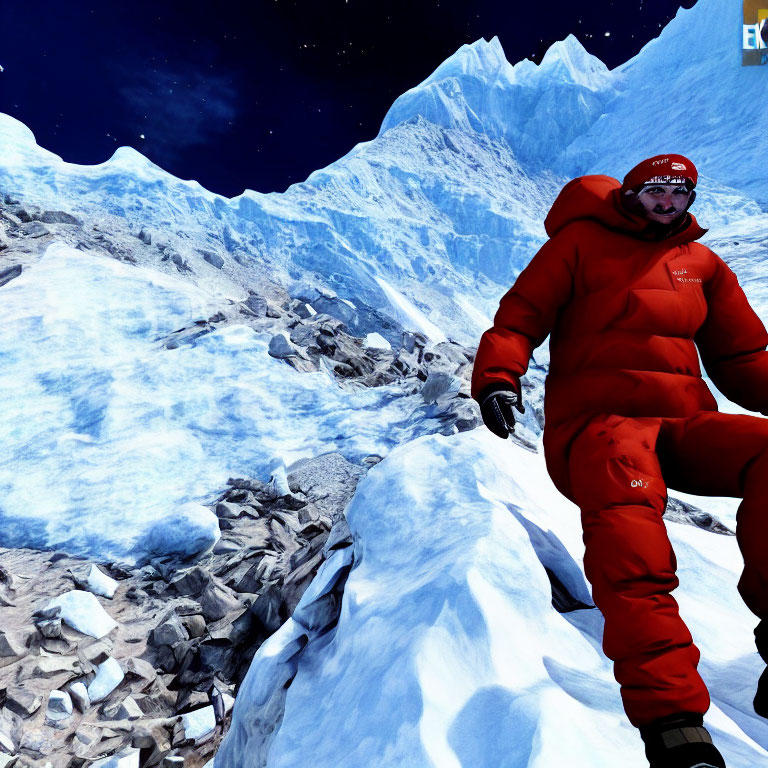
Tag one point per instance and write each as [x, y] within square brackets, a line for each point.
[620, 468]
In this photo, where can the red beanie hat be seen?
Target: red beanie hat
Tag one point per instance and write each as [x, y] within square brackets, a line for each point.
[661, 169]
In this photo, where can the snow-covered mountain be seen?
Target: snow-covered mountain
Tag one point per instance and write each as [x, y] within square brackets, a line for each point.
[447, 651]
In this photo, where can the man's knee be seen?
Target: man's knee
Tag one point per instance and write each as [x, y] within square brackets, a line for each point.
[628, 552]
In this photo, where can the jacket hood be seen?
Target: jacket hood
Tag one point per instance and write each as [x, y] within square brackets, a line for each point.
[598, 198]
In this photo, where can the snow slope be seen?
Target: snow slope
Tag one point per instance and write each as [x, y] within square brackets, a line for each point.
[115, 432]
[448, 652]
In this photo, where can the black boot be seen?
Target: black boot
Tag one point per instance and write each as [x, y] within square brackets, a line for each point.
[761, 697]
[680, 741]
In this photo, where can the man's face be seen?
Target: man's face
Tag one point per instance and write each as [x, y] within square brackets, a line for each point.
[664, 202]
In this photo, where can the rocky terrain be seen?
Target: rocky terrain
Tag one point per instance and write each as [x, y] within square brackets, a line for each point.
[156, 687]
[115, 664]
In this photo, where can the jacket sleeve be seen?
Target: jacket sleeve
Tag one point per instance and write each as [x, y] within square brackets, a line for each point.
[732, 342]
[526, 315]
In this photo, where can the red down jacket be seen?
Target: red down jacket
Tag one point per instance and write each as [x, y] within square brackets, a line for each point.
[626, 316]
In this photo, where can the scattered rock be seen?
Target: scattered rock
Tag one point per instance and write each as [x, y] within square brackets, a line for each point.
[154, 738]
[10, 645]
[49, 666]
[180, 263]
[7, 729]
[228, 510]
[7, 274]
[95, 653]
[141, 671]
[169, 632]
[59, 709]
[108, 676]
[31, 229]
[79, 695]
[100, 584]
[188, 532]
[83, 612]
[213, 259]
[50, 628]
[195, 727]
[439, 384]
[680, 511]
[59, 217]
[281, 347]
[37, 742]
[257, 304]
[129, 710]
[376, 341]
[22, 701]
[195, 625]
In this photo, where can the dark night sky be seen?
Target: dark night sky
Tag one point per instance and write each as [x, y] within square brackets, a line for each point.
[259, 94]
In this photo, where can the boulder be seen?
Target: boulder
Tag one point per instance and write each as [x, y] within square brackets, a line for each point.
[7, 274]
[11, 645]
[257, 304]
[195, 727]
[375, 340]
[189, 531]
[22, 701]
[278, 480]
[83, 612]
[229, 511]
[59, 710]
[49, 666]
[129, 710]
[38, 742]
[99, 583]
[213, 259]
[438, 384]
[169, 632]
[281, 347]
[32, 229]
[58, 217]
[108, 676]
[79, 695]
[305, 310]
[50, 628]
[217, 601]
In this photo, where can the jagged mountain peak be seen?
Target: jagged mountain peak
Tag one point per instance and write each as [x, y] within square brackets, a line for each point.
[482, 58]
[568, 60]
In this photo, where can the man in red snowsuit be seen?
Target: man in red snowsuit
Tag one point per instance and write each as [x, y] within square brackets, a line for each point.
[627, 296]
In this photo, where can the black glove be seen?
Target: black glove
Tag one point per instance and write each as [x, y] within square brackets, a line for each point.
[496, 403]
